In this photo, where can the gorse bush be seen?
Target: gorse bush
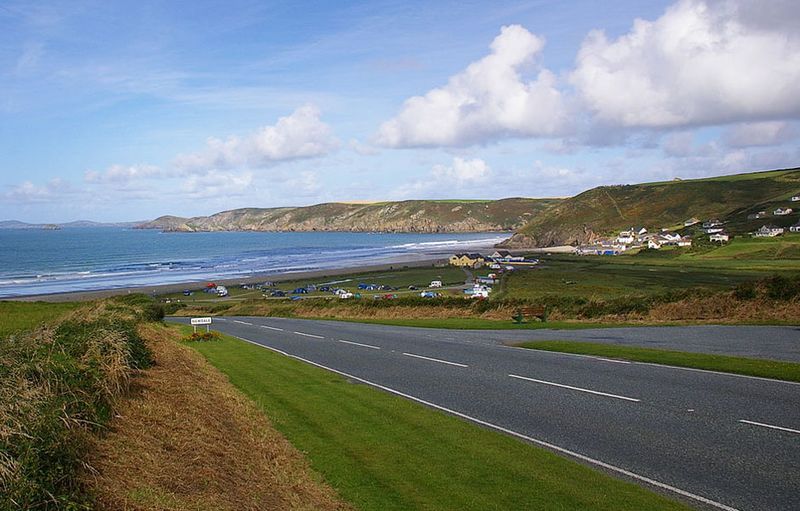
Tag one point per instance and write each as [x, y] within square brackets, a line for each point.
[57, 384]
[779, 287]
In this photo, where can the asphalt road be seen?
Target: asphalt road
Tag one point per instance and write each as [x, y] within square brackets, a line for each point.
[718, 441]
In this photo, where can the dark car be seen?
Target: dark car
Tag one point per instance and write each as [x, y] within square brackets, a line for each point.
[187, 292]
[300, 291]
[324, 289]
[278, 293]
[412, 288]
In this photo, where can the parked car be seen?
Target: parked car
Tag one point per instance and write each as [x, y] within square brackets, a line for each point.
[390, 296]
[296, 297]
[346, 295]
[412, 288]
[436, 283]
[324, 289]
[278, 293]
[300, 291]
[187, 292]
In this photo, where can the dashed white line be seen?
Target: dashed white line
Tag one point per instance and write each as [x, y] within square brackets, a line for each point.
[542, 443]
[272, 328]
[435, 360]
[309, 335]
[781, 428]
[612, 360]
[242, 322]
[360, 344]
[579, 389]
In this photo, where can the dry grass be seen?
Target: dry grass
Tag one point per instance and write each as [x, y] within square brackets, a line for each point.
[188, 440]
[726, 308]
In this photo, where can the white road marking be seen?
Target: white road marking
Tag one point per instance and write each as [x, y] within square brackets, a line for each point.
[242, 322]
[790, 430]
[272, 328]
[435, 360]
[579, 389]
[360, 344]
[612, 360]
[542, 443]
[664, 366]
[309, 335]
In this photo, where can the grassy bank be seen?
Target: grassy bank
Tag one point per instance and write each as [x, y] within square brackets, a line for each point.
[57, 384]
[21, 316]
[382, 452]
[775, 369]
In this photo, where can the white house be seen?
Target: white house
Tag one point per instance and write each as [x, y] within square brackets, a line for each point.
[795, 227]
[782, 211]
[768, 231]
[672, 237]
[685, 242]
[795, 198]
[436, 283]
[626, 237]
[654, 244]
[720, 237]
[713, 230]
[711, 223]
[506, 256]
[691, 221]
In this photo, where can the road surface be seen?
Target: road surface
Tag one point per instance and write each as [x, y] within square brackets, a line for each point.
[717, 441]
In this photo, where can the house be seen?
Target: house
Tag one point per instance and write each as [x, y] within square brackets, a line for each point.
[782, 211]
[685, 241]
[654, 243]
[505, 256]
[795, 198]
[467, 260]
[755, 216]
[708, 224]
[795, 227]
[670, 237]
[768, 231]
[626, 237]
[691, 221]
[489, 280]
[720, 237]
[713, 230]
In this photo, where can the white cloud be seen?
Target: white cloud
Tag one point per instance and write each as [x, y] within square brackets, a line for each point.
[299, 135]
[759, 134]
[700, 63]
[489, 99]
[28, 192]
[462, 172]
[122, 174]
[217, 184]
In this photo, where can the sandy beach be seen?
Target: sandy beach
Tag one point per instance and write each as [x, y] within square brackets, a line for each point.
[81, 296]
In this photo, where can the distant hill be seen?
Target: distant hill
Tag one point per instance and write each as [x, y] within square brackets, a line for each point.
[78, 224]
[606, 209]
[426, 216]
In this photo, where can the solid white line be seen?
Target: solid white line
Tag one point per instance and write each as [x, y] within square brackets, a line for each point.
[435, 360]
[272, 328]
[574, 388]
[507, 431]
[360, 344]
[242, 322]
[309, 335]
[790, 430]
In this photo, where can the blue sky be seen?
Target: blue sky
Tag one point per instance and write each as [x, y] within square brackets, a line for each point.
[129, 110]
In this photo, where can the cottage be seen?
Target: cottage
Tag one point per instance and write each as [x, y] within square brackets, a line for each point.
[626, 237]
[795, 227]
[711, 223]
[768, 231]
[685, 241]
[713, 230]
[782, 211]
[654, 243]
[467, 260]
[720, 237]
[795, 198]
[670, 237]
[505, 256]
[691, 221]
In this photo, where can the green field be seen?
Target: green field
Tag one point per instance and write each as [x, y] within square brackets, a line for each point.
[20, 316]
[382, 452]
[775, 369]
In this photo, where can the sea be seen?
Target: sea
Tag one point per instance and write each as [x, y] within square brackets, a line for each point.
[34, 262]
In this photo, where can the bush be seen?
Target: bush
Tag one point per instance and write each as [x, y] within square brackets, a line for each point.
[745, 291]
[202, 337]
[782, 288]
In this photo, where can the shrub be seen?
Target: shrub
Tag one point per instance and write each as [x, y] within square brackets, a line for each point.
[202, 337]
[745, 291]
[782, 288]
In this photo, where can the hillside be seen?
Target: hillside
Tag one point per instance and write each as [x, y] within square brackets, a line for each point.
[405, 216]
[606, 209]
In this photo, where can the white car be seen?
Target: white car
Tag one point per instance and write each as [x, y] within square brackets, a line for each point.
[436, 283]
[346, 295]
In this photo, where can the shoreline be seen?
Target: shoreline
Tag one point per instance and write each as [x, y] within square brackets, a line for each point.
[160, 289]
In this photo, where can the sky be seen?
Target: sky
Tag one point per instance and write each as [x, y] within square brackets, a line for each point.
[125, 111]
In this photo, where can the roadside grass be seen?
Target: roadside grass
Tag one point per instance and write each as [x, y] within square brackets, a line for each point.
[775, 369]
[382, 452]
[20, 316]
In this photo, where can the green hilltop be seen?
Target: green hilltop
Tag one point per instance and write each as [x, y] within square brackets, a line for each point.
[606, 209]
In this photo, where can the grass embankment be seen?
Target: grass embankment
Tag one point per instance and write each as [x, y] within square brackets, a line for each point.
[774, 369]
[382, 452]
[19, 316]
[58, 383]
[186, 439]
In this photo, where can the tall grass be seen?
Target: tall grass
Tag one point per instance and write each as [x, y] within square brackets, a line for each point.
[58, 384]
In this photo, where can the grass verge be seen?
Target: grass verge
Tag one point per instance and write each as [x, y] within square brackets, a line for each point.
[775, 369]
[382, 452]
[20, 316]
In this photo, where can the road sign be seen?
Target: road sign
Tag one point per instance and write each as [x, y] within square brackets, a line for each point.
[201, 321]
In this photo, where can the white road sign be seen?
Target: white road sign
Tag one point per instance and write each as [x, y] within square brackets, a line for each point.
[201, 321]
